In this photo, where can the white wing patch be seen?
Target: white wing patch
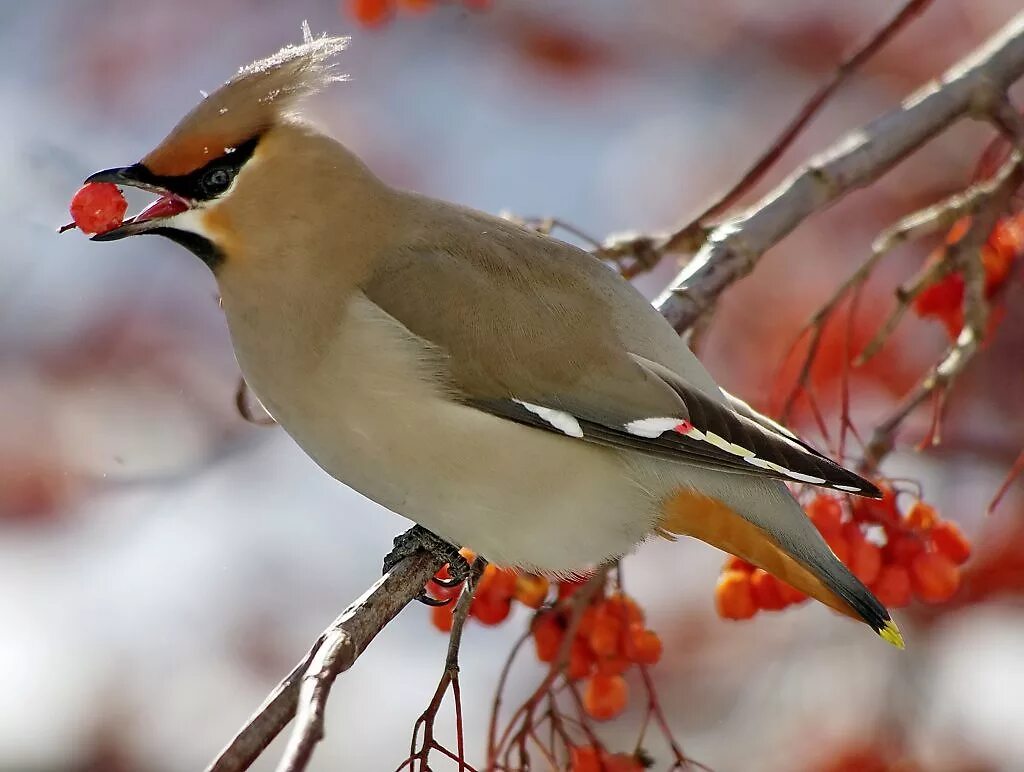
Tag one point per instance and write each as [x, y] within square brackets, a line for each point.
[650, 428]
[558, 419]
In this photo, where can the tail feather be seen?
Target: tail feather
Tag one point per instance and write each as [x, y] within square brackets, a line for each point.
[791, 550]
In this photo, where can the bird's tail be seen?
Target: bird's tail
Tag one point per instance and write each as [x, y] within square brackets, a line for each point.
[773, 533]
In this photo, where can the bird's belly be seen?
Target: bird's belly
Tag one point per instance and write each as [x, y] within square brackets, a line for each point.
[517, 495]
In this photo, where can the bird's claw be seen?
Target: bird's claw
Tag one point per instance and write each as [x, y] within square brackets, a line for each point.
[426, 600]
[419, 539]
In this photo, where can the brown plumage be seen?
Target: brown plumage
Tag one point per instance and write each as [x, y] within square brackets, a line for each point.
[503, 389]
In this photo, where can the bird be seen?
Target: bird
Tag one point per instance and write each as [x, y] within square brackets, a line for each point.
[500, 388]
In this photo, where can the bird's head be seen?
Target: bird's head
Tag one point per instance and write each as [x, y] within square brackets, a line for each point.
[239, 163]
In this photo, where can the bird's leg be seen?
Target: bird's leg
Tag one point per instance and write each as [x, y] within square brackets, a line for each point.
[419, 539]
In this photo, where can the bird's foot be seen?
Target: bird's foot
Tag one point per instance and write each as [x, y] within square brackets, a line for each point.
[419, 539]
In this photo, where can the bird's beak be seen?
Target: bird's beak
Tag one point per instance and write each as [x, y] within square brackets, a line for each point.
[153, 216]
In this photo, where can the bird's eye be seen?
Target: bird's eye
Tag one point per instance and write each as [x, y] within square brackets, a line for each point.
[216, 181]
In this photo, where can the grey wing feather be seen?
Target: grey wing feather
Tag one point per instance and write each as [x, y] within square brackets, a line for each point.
[581, 351]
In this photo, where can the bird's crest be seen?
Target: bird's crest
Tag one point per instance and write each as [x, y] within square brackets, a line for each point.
[259, 96]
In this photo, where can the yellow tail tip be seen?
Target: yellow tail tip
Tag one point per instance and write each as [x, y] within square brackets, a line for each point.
[891, 634]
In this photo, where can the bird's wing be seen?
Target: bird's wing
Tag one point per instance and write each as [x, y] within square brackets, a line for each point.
[532, 330]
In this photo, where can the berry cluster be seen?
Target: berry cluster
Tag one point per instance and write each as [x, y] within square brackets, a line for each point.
[587, 758]
[943, 300]
[610, 638]
[897, 554]
[374, 13]
[98, 207]
[492, 602]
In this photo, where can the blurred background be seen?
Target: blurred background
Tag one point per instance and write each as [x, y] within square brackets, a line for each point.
[163, 563]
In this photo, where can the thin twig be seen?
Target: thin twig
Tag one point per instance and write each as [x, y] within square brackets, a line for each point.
[816, 327]
[682, 761]
[906, 294]
[965, 255]
[1015, 471]
[939, 216]
[449, 679]
[523, 717]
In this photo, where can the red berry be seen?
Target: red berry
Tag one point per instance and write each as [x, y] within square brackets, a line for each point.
[865, 561]
[767, 591]
[950, 541]
[624, 608]
[734, 597]
[613, 665]
[531, 590]
[442, 617]
[98, 207]
[902, 549]
[604, 637]
[643, 646]
[921, 516]
[934, 577]
[883, 511]
[371, 13]
[733, 563]
[496, 584]
[892, 587]
[440, 592]
[581, 660]
[587, 621]
[547, 636]
[791, 594]
[841, 547]
[826, 513]
[585, 758]
[489, 610]
[605, 696]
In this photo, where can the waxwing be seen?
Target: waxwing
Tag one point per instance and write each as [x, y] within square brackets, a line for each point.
[504, 390]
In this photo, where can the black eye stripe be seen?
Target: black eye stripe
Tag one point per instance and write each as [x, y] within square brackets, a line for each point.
[206, 182]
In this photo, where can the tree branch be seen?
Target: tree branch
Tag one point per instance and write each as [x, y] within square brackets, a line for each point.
[975, 87]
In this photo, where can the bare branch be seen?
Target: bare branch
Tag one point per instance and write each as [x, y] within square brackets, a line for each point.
[348, 636]
[449, 679]
[975, 87]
